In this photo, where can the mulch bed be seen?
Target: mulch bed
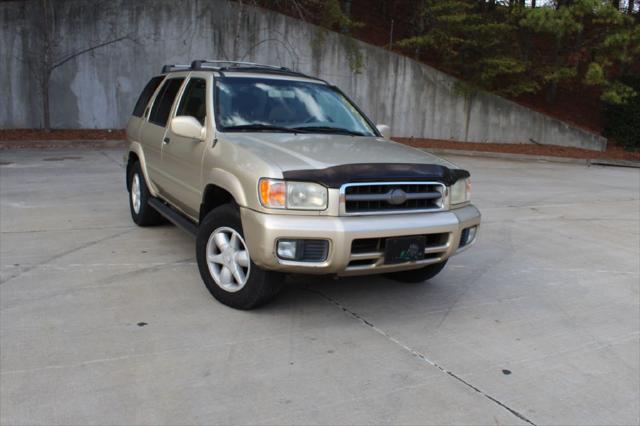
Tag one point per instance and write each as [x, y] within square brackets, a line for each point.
[61, 139]
[613, 151]
[61, 134]
[52, 145]
[94, 138]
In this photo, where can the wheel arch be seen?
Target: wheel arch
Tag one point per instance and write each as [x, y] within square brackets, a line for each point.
[222, 188]
[132, 158]
[214, 196]
[136, 154]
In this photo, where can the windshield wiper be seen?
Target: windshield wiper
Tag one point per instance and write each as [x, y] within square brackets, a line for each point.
[329, 129]
[261, 127]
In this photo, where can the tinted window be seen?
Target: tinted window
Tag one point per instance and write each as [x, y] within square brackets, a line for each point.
[162, 106]
[193, 101]
[146, 94]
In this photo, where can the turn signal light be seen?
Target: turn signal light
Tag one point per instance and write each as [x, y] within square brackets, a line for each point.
[273, 193]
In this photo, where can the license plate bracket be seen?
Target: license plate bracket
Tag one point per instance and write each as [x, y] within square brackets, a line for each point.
[404, 249]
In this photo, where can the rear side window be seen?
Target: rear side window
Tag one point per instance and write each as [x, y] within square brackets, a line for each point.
[193, 101]
[146, 94]
[162, 105]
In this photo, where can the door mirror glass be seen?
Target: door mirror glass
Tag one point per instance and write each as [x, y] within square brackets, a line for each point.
[188, 127]
[384, 130]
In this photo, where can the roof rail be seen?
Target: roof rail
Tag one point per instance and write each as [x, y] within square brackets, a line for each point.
[174, 67]
[235, 66]
[198, 64]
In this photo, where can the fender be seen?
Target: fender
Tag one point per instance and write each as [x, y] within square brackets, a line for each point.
[229, 183]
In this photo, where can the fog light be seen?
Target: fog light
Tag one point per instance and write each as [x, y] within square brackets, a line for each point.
[471, 235]
[309, 250]
[467, 236]
[287, 249]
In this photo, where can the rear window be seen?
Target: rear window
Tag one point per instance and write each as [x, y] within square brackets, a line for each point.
[162, 105]
[146, 94]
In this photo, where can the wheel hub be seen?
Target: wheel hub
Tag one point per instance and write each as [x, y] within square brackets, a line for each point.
[228, 259]
[136, 195]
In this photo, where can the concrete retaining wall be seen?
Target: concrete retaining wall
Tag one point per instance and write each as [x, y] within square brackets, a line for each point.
[98, 89]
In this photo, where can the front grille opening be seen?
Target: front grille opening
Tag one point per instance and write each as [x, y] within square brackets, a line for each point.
[432, 255]
[373, 245]
[362, 262]
[374, 197]
[437, 239]
[365, 245]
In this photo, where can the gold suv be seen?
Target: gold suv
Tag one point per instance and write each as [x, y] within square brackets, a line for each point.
[274, 172]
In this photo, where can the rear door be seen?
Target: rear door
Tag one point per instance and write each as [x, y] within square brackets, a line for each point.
[182, 157]
[153, 132]
[141, 111]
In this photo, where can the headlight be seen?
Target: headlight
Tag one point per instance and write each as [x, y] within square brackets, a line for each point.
[280, 194]
[461, 191]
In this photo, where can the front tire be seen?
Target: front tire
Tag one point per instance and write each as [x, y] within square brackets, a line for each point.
[225, 263]
[141, 212]
[418, 275]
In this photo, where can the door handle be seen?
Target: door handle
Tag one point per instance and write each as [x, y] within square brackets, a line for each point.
[166, 140]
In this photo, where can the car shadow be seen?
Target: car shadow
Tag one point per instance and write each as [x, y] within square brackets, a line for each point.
[371, 293]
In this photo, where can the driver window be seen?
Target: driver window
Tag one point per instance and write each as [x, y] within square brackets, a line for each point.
[193, 100]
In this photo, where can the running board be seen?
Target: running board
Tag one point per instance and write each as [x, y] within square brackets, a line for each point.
[174, 216]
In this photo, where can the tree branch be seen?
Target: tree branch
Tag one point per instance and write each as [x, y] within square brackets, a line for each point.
[87, 50]
[300, 10]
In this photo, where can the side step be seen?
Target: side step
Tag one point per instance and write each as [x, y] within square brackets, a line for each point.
[174, 216]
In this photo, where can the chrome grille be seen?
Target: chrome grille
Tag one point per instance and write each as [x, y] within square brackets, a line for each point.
[392, 197]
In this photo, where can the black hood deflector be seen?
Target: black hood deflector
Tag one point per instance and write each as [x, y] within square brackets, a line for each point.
[335, 177]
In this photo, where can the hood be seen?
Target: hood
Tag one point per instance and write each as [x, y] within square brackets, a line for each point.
[311, 151]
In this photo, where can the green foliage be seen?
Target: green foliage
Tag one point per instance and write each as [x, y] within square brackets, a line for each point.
[474, 45]
[333, 17]
[559, 23]
[594, 75]
[589, 42]
[512, 50]
[622, 123]
[618, 93]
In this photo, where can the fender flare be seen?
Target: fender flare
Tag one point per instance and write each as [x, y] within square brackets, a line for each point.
[229, 183]
[136, 148]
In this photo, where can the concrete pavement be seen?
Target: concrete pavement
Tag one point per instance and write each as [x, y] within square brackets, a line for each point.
[102, 322]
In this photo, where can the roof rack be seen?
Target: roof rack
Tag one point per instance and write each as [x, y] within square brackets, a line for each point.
[235, 66]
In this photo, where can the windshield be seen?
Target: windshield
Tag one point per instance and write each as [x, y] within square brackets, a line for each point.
[263, 104]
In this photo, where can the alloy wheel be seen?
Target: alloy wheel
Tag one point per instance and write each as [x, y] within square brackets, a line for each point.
[136, 195]
[228, 259]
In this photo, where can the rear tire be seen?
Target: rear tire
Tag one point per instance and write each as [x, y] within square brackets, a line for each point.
[418, 275]
[225, 263]
[141, 212]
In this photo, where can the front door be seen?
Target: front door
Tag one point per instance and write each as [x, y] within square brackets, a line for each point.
[182, 157]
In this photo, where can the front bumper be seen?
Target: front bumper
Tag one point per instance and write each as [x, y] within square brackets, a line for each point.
[262, 231]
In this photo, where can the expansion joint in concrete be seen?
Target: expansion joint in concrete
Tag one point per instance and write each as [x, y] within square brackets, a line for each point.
[419, 354]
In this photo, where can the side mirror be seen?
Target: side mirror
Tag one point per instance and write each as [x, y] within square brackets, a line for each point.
[188, 127]
[384, 130]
